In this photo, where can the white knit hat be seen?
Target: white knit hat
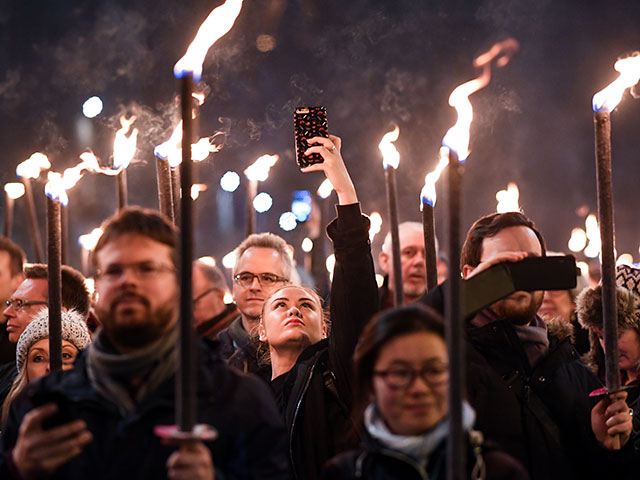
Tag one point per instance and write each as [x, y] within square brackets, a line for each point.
[74, 330]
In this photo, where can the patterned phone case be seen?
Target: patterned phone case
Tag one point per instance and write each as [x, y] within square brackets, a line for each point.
[309, 122]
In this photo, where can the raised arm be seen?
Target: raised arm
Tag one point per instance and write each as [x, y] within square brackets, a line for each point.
[354, 292]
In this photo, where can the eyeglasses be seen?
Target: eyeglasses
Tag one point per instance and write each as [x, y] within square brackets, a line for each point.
[19, 304]
[203, 294]
[245, 279]
[403, 378]
[142, 270]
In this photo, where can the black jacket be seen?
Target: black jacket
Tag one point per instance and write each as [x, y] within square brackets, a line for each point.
[316, 394]
[540, 415]
[251, 442]
[376, 462]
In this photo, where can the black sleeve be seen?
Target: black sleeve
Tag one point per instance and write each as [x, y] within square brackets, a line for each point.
[354, 292]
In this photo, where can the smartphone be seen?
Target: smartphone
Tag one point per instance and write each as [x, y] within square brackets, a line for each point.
[64, 414]
[530, 274]
[309, 122]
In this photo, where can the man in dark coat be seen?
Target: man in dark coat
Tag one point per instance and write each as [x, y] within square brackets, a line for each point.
[123, 387]
[527, 385]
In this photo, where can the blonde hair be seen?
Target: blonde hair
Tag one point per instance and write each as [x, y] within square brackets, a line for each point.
[18, 385]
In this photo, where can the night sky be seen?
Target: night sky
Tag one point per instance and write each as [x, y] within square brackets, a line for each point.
[372, 63]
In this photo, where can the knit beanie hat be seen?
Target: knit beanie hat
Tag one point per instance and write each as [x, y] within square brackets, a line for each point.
[74, 330]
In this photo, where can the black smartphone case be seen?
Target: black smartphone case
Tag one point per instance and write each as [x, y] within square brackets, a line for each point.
[309, 122]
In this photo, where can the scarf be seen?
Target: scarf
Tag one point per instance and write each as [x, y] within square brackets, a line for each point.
[112, 372]
[418, 447]
[534, 340]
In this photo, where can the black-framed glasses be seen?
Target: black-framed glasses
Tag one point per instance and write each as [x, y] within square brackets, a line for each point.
[203, 294]
[142, 270]
[19, 304]
[403, 378]
[245, 279]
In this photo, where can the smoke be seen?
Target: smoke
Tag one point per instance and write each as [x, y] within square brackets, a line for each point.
[8, 86]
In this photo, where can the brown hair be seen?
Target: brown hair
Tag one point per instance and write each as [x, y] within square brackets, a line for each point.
[489, 226]
[75, 294]
[141, 221]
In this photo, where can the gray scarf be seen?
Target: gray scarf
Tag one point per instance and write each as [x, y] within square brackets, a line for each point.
[111, 372]
[418, 447]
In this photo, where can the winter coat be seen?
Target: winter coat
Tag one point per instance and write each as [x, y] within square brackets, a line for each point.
[240, 351]
[251, 441]
[376, 462]
[315, 396]
[540, 415]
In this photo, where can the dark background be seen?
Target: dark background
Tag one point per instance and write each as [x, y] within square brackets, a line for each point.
[371, 63]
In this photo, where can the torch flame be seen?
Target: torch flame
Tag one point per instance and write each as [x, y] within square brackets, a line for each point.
[593, 234]
[375, 220]
[457, 138]
[88, 241]
[14, 190]
[390, 156]
[55, 188]
[91, 164]
[609, 98]
[508, 199]
[217, 24]
[171, 150]
[325, 189]
[259, 170]
[32, 166]
[428, 193]
[124, 147]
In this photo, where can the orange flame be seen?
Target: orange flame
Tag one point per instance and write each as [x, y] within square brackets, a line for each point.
[390, 155]
[217, 24]
[508, 199]
[259, 170]
[457, 138]
[124, 147]
[32, 166]
[428, 193]
[609, 98]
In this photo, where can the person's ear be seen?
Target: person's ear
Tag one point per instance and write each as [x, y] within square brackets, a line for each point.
[383, 260]
[262, 332]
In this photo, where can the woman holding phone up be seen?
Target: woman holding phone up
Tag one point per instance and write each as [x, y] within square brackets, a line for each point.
[311, 363]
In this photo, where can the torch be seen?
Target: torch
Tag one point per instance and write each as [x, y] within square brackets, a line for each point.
[12, 191]
[256, 172]
[603, 103]
[124, 149]
[189, 70]
[56, 196]
[27, 170]
[456, 142]
[318, 253]
[390, 162]
[427, 205]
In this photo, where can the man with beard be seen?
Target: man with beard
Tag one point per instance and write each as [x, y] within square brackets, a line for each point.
[525, 381]
[412, 261]
[124, 385]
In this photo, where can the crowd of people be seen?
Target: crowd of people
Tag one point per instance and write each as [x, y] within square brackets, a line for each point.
[301, 387]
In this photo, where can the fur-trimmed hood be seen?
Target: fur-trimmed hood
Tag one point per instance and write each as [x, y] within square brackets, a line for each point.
[589, 308]
[589, 311]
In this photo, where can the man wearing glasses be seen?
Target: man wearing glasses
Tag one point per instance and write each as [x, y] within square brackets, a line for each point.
[263, 264]
[29, 298]
[210, 313]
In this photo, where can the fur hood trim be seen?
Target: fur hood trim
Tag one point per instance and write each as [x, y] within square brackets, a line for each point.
[589, 308]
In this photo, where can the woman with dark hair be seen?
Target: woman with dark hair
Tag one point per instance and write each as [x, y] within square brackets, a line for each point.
[402, 380]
